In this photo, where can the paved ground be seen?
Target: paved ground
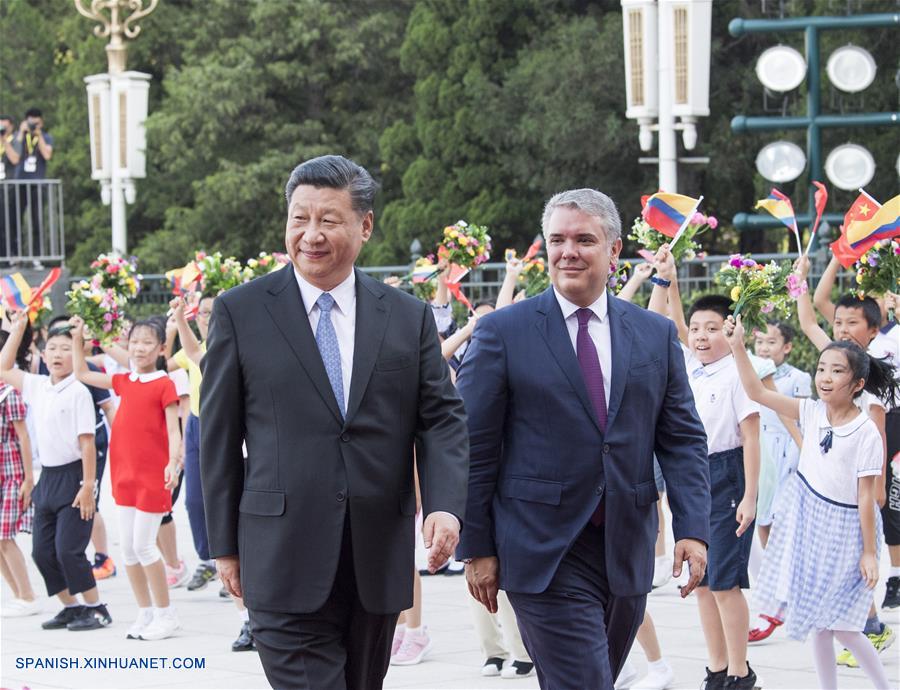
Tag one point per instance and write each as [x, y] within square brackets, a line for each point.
[211, 623]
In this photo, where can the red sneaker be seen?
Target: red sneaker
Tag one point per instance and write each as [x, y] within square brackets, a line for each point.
[760, 634]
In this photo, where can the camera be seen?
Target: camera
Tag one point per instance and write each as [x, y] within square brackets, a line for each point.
[2, 131]
[32, 125]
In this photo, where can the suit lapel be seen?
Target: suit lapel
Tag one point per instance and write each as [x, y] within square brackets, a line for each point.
[371, 322]
[621, 337]
[553, 329]
[289, 314]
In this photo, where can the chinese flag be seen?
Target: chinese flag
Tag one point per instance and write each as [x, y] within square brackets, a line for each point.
[862, 210]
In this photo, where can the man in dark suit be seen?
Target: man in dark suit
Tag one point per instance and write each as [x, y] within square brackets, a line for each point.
[568, 396]
[331, 378]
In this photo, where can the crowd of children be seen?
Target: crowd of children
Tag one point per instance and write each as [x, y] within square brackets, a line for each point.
[801, 461]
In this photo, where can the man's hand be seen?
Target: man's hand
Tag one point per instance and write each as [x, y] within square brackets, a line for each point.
[441, 535]
[229, 568]
[694, 552]
[483, 578]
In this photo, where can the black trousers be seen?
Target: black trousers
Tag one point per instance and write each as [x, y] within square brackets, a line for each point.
[340, 646]
[577, 633]
[59, 535]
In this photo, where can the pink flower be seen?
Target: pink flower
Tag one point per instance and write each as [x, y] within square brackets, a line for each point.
[712, 222]
[698, 218]
[112, 269]
[735, 260]
[107, 327]
[767, 308]
[108, 317]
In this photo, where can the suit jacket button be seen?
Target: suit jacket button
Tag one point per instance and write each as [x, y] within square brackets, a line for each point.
[599, 490]
[606, 449]
[340, 496]
[345, 437]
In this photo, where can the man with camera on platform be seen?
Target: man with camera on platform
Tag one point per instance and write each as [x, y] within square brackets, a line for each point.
[35, 148]
[9, 159]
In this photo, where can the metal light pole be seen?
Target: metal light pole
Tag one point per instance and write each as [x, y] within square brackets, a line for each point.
[814, 121]
[117, 108]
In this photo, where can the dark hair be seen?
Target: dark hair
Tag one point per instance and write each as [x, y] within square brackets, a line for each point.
[55, 320]
[22, 354]
[485, 303]
[787, 330]
[719, 304]
[7, 117]
[336, 172]
[869, 308]
[34, 112]
[878, 374]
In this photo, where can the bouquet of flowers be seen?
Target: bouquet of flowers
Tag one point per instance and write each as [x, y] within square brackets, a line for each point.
[687, 247]
[118, 274]
[465, 245]
[219, 274]
[100, 307]
[619, 277]
[41, 313]
[756, 290]
[534, 278]
[878, 270]
[264, 264]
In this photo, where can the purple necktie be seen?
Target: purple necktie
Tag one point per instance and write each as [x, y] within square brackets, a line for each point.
[593, 381]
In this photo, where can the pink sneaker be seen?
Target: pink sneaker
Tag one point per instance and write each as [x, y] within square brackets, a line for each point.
[412, 650]
[398, 640]
[177, 577]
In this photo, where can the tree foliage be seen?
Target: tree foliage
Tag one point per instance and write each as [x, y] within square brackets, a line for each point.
[475, 109]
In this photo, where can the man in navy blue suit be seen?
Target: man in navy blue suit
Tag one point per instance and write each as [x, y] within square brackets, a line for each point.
[568, 397]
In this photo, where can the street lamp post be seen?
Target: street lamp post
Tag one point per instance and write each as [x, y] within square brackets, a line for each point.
[117, 109]
[814, 121]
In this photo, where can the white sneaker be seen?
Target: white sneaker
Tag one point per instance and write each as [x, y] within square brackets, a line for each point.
[161, 627]
[143, 620]
[177, 577]
[627, 676]
[656, 679]
[19, 608]
[662, 571]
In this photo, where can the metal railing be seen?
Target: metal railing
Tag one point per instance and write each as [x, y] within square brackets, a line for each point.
[483, 283]
[31, 216]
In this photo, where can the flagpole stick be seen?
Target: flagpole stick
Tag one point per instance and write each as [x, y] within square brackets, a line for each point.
[799, 241]
[687, 221]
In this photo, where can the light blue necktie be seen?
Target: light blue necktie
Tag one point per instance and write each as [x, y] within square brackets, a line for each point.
[326, 339]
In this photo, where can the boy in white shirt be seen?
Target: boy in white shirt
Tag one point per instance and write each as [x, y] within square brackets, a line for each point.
[64, 497]
[731, 421]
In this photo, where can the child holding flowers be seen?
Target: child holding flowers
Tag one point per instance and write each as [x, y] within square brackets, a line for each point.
[144, 465]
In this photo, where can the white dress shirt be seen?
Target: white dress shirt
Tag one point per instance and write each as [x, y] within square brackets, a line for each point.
[598, 329]
[343, 318]
[63, 411]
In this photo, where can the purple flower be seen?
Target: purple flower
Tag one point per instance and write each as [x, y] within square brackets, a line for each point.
[872, 259]
[735, 260]
[749, 263]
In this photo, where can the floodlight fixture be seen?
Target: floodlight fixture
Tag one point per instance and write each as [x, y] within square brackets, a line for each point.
[851, 68]
[850, 167]
[781, 68]
[781, 161]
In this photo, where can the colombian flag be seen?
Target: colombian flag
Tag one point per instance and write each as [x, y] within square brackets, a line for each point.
[424, 273]
[779, 206]
[16, 292]
[668, 213]
[883, 224]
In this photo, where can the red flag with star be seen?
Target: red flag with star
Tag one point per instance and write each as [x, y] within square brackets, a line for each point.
[861, 210]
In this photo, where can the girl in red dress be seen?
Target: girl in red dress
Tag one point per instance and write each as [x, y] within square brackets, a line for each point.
[143, 457]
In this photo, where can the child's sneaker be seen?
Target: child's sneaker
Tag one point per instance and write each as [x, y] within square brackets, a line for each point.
[397, 641]
[517, 669]
[18, 608]
[747, 682]
[413, 649]
[63, 618]
[715, 680]
[177, 577]
[104, 569]
[891, 593]
[492, 666]
[627, 675]
[162, 626]
[91, 618]
[202, 575]
[880, 641]
[145, 617]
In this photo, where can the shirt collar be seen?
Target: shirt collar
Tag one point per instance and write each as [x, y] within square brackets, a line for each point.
[60, 386]
[717, 366]
[844, 429]
[147, 378]
[599, 307]
[344, 293]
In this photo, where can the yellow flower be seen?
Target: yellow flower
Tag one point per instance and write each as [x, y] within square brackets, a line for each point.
[735, 293]
[471, 252]
[252, 263]
[464, 240]
[97, 298]
[454, 234]
[859, 278]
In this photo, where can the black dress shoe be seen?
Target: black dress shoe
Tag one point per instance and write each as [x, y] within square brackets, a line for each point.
[63, 618]
[244, 641]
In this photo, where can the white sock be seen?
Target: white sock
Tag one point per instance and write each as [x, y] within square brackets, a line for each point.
[92, 606]
[401, 627]
[659, 665]
[72, 606]
[413, 631]
[244, 615]
[145, 614]
[895, 571]
[161, 611]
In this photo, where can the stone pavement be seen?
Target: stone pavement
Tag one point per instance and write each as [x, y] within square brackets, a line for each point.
[211, 623]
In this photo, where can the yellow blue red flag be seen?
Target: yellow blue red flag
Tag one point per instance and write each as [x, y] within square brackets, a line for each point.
[883, 224]
[669, 213]
[16, 291]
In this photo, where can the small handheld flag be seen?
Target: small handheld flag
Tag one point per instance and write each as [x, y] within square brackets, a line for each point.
[821, 199]
[535, 247]
[16, 291]
[37, 296]
[669, 213]
[424, 273]
[779, 205]
[456, 291]
[861, 210]
[884, 224]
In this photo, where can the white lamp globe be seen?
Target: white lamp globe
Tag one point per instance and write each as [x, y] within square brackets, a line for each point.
[850, 167]
[781, 68]
[781, 161]
[851, 68]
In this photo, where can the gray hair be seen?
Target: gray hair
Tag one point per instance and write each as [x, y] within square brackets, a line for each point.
[589, 201]
[336, 172]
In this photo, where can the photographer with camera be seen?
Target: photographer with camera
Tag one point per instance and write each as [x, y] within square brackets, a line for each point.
[35, 149]
[9, 159]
